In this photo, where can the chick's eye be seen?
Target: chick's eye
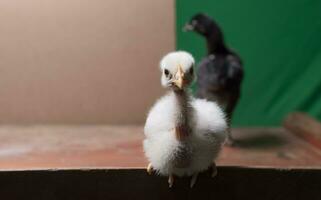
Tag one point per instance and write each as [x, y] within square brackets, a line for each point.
[191, 71]
[166, 72]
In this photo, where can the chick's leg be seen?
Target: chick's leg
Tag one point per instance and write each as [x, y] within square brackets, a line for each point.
[193, 181]
[170, 181]
[149, 169]
[214, 170]
[229, 112]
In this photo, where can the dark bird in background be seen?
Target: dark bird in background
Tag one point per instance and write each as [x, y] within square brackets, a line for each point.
[220, 73]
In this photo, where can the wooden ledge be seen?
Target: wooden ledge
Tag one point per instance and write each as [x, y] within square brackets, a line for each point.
[41, 147]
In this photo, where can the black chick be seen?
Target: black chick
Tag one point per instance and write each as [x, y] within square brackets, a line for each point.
[220, 73]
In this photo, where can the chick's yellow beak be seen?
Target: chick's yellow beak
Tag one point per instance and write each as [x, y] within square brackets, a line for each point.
[179, 81]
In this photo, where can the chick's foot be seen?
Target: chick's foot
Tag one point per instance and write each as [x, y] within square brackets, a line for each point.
[170, 181]
[149, 169]
[193, 180]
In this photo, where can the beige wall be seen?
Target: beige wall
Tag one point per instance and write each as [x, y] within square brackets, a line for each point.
[82, 61]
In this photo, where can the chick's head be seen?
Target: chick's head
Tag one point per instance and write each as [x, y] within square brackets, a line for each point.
[200, 23]
[177, 70]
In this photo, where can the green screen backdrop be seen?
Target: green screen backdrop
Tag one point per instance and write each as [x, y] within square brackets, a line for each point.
[280, 44]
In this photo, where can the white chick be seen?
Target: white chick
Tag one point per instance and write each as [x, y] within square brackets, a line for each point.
[183, 135]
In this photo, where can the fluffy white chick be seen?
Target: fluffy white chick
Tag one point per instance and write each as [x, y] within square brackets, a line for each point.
[183, 135]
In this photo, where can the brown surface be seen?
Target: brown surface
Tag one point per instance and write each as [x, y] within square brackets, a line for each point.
[305, 127]
[81, 61]
[27, 147]
[230, 183]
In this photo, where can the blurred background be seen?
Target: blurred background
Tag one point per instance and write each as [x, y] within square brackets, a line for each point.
[75, 62]
[96, 62]
[280, 44]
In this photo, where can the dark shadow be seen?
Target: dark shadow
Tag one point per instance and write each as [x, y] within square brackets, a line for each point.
[260, 142]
